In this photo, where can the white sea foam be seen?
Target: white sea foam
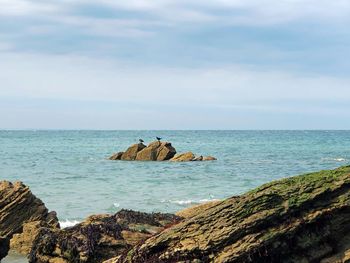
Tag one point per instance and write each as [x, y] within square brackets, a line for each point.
[208, 200]
[116, 205]
[339, 159]
[68, 223]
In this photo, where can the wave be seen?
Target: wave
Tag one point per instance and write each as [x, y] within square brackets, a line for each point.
[339, 159]
[68, 223]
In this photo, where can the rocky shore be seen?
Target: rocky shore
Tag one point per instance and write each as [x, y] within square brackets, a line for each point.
[157, 151]
[304, 218]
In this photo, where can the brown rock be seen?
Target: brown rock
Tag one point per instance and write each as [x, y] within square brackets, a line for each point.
[116, 156]
[195, 210]
[183, 157]
[156, 151]
[209, 158]
[17, 207]
[22, 242]
[299, 219]
[165, 152]
[149, 153]
[198, 159]
[98, 238]
[131, 152]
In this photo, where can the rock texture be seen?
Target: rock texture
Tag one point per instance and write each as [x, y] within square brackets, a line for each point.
[98, 238]
[209, 158]
[299, 219]
[22, 242]
[156, 151]
[183, 157]
[196, 209]
[19, 206]
[131, 152]
[116, 156]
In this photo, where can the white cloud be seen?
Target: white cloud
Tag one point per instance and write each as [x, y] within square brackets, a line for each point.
[246, 12]
[71, 77]
[26, 7]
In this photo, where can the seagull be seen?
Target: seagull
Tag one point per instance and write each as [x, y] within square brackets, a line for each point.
[141, 141]
[158, 138]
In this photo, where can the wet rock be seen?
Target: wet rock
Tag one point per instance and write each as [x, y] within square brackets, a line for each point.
[98, 238]
[18, 206]
[22, 242]
[4, 247]
[116, 156]
[299, 219]
[156, 151]
[198, 159]
[131, 152]
[183, 157]
[209, 158]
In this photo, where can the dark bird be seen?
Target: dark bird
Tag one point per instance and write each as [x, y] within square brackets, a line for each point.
[141, 141]
[158, 138]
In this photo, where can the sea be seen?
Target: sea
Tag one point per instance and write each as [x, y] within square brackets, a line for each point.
[70, 171]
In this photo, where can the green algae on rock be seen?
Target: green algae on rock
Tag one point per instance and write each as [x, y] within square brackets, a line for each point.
[299, 219]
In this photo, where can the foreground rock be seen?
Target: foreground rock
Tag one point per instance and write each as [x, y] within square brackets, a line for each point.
[98, 238]
[17, 207]
[156, 151]
[299, 219]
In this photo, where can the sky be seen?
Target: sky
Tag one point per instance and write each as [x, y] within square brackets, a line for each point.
[174, 64]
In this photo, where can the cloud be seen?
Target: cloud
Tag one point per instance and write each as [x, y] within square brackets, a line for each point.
[26, 7]
[246, 12]
[81, 78]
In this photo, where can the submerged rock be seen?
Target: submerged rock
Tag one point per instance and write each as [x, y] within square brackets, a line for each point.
[299, 219]
[18, 206]
[116, 156]
[98, 238]
[209, 158]
[183, 157]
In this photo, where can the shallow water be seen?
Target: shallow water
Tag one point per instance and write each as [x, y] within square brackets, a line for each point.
[68, 170]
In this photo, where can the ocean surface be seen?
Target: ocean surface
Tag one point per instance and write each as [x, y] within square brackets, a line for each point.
[70, 172]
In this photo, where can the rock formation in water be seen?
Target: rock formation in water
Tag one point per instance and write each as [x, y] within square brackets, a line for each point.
[156, 151]
[98, 238]
[18, 207]
[299, 219]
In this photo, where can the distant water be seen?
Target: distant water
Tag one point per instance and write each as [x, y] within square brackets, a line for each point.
[69, 171]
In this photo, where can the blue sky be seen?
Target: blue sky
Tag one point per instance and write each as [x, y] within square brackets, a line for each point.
[137, 64]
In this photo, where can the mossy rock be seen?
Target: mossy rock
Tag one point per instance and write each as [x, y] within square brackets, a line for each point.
[298, 219]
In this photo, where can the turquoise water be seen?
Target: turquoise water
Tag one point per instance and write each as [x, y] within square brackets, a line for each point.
[69, 171]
